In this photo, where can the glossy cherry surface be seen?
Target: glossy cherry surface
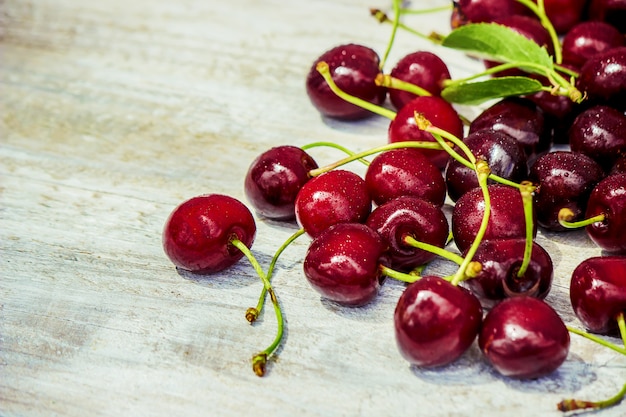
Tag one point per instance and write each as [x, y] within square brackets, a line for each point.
[609, 198]
[275, 178]
[342, 263]
[501, 260]
[564, 14]
[603, 77]
[598, 292]
[435, 322]
[337, 196]
[354, 68]
[476, 11]
[404, 172]
[414, 217]
[197, 234]
[587, 39]
[523, 337]
[439, 112]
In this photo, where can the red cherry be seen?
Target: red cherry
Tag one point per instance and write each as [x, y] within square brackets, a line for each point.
[198, 233]
[608, 198]
[587, 39]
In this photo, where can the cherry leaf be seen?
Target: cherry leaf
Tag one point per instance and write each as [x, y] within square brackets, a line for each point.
[481, 91]
[498, 43]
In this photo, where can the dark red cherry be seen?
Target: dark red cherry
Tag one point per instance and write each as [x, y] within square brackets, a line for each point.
[564, 179]
[421, 68]
[599, 132]
[353, 68]
[476, 11]
[598, 292]
[603, 77]
[404, 172]
[414, 217]
[501, 260]
[506, 219]
[609, 11]
[523, 337]
[197, 235]
[609, 198]
[275, 178]
[619, 167]
[337, 196]
[559, 112]
[504, 155]
[435, 322]
[520, 118]
[564, 14]
[439, 112]
[587, 39]
[342, 263]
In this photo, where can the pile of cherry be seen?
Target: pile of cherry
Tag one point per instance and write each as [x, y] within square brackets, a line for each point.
[549, 153]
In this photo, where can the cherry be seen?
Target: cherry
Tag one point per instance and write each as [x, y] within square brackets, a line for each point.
[342, 263]
[336, 196]
[274, 179]
[435, 322]
[598, 292]
[422, 68]
[198, 234]
[412, 217]
[603, 76]
[504, 155]
[506, 219]
[523, 337]
[610, 11]
[608, 199]
[354, 68]
[559, 112]
[587, 39]
[438, 112]
[520, 118]
[476, 11]
[619, 166]
[404, 172]
[599, 132]
[564, 179]
[564, 14]
[500, 261]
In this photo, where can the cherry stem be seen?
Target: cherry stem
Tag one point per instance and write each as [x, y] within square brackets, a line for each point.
[482, 172]
[400, 276]
[394, 30]
[598, 340]
[526, 190]
[259, 360]
[574, 404]
[383, 18]
[386, 80]
[371, 151]
[324, 70]
[539, 10]
[566, 216]
[253, 312]
[333, 145]
[426, 11]
[621, 324]
[446, 254]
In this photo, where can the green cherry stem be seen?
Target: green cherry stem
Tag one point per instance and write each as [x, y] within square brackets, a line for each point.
[400, 276]
[426, 11]
[333, 145]
[482, 172]
[394, 145]
[566, 216]
[253, 312]
[259, 360]
[386, 80]
[539, 10]
[598, 339]
[394, 30]
[574, 404]
[324, 70]
[383, 18]
[446, 254]
[526, 190]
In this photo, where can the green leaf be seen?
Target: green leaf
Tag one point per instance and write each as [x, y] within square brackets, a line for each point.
[498, 43]
[481, 91]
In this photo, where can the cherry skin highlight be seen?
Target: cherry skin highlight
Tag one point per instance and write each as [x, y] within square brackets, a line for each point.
[275, 178]
[603, 77]
[404, 172]
[435, 322]
[414, 217]
[197, 234]
[608, 198]
[337, 196]
[598, 292]
[524, 338]
[587, 39]
[342, 263]
[354, 68]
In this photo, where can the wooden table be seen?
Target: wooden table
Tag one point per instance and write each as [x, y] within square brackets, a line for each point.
[112, 114]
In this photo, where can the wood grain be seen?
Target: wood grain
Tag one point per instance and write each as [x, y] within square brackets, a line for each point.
[113, 113]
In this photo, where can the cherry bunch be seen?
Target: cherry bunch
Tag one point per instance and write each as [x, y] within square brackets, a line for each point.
[549, 153]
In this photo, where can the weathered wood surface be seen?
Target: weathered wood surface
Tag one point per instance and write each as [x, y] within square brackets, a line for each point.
[113, 113]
